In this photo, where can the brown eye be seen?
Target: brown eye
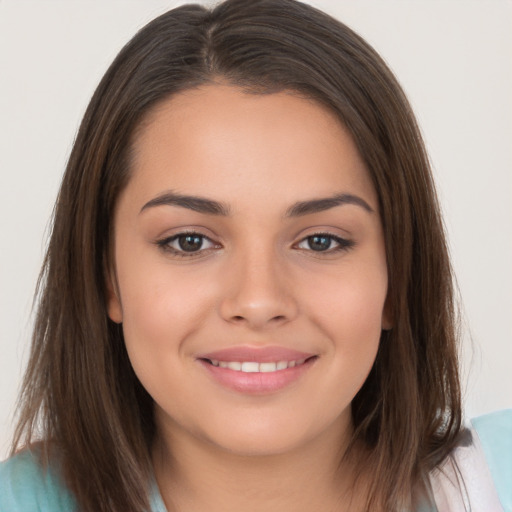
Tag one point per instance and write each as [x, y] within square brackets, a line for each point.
[319, 242]
[324, 242]
[190, 243]
[184, 244]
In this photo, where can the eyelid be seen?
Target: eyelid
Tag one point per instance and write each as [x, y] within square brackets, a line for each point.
[164, 243]
[343, 244]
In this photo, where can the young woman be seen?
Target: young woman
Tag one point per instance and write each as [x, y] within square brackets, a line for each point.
[247, 301]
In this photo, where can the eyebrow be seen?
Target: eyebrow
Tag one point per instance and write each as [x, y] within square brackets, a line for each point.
[319, 205]
[298, 209]
[195, 203]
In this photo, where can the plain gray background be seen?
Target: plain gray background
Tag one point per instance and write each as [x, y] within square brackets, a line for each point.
[454, 59]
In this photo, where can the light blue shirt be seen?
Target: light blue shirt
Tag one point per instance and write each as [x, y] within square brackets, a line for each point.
[26, 487]
[495, 434]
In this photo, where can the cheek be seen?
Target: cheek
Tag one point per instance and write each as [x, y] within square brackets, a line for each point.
[161, 310]
[348, 309]
[350, 302]
[158, 321]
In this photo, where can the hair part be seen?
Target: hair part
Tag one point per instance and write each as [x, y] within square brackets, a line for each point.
[80, 390]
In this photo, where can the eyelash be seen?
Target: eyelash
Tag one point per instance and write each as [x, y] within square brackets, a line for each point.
[164, 244]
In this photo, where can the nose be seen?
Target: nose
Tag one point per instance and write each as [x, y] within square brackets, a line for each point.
[257, 293]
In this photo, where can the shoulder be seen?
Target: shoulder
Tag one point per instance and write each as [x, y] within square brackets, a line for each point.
[494, 432]
[477, 475]
[26, 486]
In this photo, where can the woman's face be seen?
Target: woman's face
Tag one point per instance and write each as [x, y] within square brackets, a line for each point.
[250, 270]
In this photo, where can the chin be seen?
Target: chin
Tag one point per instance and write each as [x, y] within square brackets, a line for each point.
[269, 436]
[261, 444]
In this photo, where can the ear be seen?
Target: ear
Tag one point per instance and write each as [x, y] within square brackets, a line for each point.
[114, 308]
[387, 315]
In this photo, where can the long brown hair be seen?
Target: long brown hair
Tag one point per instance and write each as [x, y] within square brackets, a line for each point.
[80, 392]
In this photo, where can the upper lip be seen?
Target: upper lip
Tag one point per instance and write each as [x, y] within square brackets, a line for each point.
[265, 354]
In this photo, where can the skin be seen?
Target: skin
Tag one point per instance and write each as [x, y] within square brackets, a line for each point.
[255, 282]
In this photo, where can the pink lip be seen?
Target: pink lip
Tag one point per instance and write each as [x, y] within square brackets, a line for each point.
[259, 382]
[257, 354]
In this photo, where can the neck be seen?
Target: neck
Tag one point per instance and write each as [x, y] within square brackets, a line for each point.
[195, 475]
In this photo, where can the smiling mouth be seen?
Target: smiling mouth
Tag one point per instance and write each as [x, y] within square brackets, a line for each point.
[257, 367]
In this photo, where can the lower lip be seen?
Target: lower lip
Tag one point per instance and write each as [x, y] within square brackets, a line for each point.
[257, 382]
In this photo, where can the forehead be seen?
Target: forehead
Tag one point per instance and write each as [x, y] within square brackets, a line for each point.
[220, 140]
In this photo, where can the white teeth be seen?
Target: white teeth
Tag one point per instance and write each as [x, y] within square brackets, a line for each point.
[268, 367]
[255, 367]
[250, 367]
